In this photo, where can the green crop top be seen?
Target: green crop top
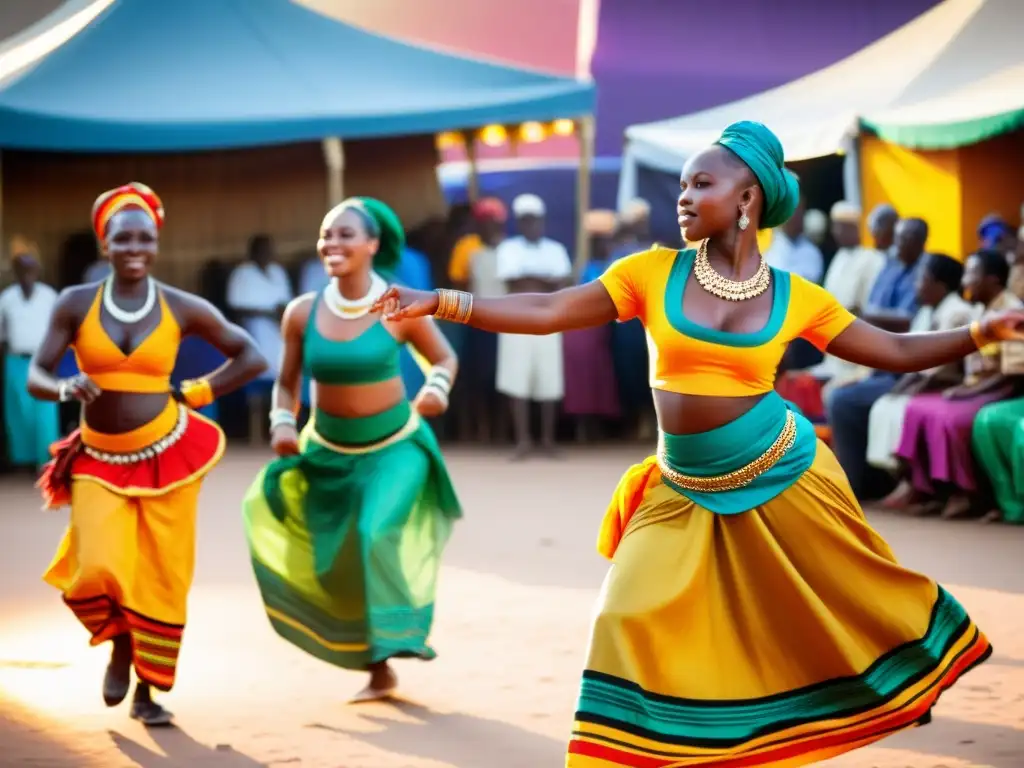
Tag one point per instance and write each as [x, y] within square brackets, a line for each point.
[370, 357]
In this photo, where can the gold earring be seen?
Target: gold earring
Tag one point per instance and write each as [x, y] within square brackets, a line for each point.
[744, 221]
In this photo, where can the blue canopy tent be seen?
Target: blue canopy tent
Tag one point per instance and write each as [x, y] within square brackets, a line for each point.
[138, 76]
[142, 76]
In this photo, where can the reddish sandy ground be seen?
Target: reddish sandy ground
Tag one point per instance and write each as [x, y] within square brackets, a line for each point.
[515, 601]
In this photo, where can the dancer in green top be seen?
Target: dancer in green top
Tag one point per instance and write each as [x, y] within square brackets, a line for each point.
[347, 526]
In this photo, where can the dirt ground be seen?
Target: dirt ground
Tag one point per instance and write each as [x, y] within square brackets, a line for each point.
[517, 591]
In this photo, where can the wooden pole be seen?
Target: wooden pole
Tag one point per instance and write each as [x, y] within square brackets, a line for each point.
[473, 174]
[334, 159]
[585, 133]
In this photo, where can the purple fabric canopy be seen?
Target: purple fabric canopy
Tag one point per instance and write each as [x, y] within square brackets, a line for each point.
[657, 59]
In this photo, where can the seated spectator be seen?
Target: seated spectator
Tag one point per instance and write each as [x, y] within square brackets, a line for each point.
[942, 309]
[997, 440]
[258, 292]
[891, 305]
[1017, 267]
[792, 251]
[996, 234]
[935, 442]
[850, 278]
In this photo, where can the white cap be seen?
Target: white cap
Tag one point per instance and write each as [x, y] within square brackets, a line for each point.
[528, 205]
[635, 210]
[815, 225]
[845, 211]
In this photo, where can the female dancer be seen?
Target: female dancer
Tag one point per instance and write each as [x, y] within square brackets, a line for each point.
[752, 616]
[347, 526]
[133, 470]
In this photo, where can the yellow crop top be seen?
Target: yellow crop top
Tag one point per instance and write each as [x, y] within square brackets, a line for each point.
[146, 370]
[692, 359]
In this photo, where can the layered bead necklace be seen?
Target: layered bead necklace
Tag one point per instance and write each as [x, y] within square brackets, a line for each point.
[123, 315]
[723, 287]
[352, 309]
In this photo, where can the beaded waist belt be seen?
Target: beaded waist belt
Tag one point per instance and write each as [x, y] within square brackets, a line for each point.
[737, 478]
[150, 451]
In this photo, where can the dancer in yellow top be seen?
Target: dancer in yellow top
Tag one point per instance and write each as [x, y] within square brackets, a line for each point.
[132, 472]
[753, 617]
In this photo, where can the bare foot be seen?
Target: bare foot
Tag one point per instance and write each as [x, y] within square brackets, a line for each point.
[383, 684]
[958, 506]
[902, 497]
[992, 516]
[522, 451]
[551, 451]
[924, 509]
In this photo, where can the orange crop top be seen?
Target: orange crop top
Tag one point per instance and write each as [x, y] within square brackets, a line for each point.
[692, 359]
[146, 370]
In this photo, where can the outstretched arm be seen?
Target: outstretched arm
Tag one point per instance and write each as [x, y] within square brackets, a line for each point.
[244, 360]
[535, 314]
[865, 344]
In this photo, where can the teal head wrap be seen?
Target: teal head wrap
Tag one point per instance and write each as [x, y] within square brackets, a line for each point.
[383, 224]
[761, 150]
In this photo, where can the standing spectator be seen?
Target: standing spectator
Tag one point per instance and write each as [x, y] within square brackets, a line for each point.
[942, 309]
[891, 305]
[258, 292]
[792, 251]
[25, 308]
[530, 367]
[412, 271]
[591, 392]
[98, 270]
[479, 364]
[462, 227]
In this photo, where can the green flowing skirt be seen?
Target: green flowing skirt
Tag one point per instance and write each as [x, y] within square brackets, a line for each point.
[997, 438]
[346, 538]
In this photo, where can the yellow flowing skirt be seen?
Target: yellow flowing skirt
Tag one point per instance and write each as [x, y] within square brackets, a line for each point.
[781, 636]
[126, 561]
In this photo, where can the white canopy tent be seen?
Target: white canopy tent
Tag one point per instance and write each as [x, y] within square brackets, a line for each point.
[958, 61]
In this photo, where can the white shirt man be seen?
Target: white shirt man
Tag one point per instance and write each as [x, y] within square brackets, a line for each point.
[531, 367]
[23, 320]
[258, 290]
[31, 425]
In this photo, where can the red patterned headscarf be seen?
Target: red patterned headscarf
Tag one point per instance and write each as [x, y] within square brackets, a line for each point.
[131, 195]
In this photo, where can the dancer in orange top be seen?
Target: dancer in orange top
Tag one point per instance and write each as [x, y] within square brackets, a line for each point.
[132, 472]
[753, 617]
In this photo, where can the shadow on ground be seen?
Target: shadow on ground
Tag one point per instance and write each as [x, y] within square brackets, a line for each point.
[456, 739]
[180, 751]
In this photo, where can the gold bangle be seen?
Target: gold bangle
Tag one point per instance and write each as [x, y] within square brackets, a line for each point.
[197, 393]
[978, 336]
[456, 306]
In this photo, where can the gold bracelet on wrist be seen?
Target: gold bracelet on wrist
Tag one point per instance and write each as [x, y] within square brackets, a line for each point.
[197, 393]
[978, 335]
[456, 306]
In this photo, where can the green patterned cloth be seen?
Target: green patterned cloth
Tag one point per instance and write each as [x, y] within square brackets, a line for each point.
[346, 546]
